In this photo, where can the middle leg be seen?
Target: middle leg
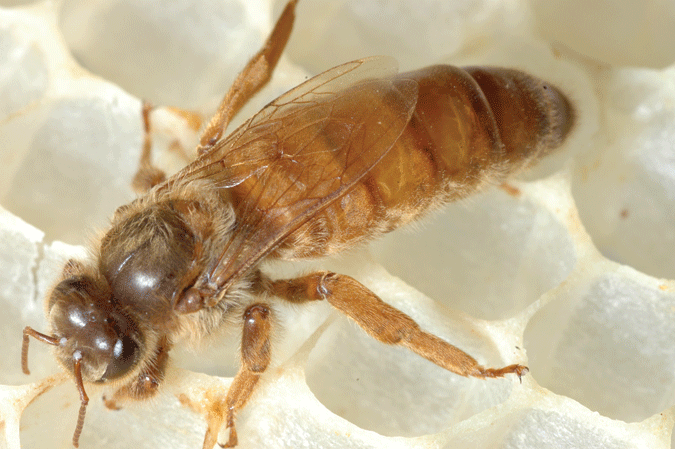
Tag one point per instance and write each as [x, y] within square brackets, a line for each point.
[255, 357]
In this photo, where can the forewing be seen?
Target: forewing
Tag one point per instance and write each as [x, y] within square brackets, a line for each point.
[250, 148]
[302, 152]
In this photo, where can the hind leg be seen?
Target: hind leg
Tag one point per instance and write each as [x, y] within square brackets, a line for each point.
[250, 80]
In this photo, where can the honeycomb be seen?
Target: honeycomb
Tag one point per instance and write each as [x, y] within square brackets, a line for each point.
[567, 269]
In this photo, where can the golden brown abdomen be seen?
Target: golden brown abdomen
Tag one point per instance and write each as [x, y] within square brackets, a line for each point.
[470, 127]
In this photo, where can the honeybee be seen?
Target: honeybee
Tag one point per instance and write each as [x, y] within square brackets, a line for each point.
[343, 158]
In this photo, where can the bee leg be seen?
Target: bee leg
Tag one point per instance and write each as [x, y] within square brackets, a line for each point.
[147, 175]
[147, 383]
[255, 75]
[255, 357]
[384, 322]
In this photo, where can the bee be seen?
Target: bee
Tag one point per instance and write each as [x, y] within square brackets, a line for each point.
[351, 154]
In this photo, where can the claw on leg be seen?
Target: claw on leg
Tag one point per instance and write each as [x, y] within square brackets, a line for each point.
[518, 370]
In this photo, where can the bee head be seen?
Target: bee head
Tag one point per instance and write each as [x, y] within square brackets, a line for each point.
[89, 326]
[95, 339]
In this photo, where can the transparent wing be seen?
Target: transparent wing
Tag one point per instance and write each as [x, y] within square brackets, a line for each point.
[303, 151]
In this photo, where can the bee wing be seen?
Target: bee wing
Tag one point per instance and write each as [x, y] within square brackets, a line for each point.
[248, 149]
[303, 151]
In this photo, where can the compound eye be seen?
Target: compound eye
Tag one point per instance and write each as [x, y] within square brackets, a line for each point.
[124, 356]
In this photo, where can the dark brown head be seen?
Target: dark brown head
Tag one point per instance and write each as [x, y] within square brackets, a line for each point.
[90, 325]
[105, 318]
[95, 339]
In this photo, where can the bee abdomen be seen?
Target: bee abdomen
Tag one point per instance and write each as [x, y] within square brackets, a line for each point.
[470, 127]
